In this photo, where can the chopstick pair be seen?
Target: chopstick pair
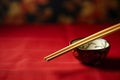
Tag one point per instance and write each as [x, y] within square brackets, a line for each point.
[83, 41]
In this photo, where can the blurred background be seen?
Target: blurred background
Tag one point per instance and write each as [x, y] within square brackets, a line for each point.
[59, 11]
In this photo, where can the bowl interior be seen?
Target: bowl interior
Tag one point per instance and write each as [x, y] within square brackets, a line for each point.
[94, 45]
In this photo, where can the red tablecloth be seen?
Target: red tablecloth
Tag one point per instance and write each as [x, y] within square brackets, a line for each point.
[22, 48]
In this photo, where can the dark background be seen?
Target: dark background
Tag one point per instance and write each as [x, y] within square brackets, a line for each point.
[59, 11]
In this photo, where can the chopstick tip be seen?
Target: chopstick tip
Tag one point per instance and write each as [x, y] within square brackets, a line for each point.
[46, 59]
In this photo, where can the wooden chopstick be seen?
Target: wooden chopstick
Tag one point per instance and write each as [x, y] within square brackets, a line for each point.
[83, 41]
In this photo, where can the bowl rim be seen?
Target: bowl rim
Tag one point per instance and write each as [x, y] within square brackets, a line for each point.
[91, 49]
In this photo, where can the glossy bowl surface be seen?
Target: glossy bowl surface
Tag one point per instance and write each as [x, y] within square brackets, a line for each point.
[93, 52]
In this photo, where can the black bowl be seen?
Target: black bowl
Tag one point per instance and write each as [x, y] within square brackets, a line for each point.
[92, 53]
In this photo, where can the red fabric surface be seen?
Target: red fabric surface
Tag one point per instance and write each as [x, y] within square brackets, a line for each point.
[22, 48]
